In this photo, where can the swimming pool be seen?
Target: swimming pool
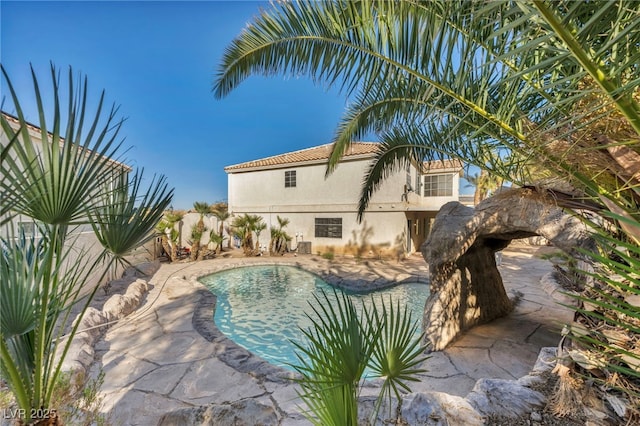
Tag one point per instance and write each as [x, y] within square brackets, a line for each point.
[262, 308]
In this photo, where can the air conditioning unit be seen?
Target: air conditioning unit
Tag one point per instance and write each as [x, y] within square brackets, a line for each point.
[304, 247]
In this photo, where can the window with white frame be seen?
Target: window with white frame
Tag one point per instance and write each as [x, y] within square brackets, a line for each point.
[328, 227]
[290, 179]
[438, 185]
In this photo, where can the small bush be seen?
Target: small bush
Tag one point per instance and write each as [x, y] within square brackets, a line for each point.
[80, 404]
[76, 403]
[328, 255]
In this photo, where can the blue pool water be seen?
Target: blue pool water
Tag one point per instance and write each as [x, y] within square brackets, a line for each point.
[262, 308]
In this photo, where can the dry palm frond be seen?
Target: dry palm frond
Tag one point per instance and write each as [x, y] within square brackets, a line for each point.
[567, 398]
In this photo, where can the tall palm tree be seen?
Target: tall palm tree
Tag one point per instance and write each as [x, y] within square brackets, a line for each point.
[553, 83]
[202, 208]
[68, 180]
[432, 79]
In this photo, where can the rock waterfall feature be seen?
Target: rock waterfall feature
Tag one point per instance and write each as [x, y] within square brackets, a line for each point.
[466, 286]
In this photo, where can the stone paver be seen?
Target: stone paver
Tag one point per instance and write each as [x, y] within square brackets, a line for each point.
[155, 360]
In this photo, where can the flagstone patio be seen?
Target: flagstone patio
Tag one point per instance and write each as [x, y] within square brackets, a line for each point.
[169, 355]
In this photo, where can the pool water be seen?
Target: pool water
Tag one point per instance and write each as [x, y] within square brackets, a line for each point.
[262, 308]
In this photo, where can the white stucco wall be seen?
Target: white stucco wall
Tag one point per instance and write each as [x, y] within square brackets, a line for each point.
[266, 187]
[210, 222]
[84, 247]
[263, 192]
[380, 233]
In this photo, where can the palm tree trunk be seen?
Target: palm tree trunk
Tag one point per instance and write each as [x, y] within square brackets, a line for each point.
[230, 237]
[166, 247]
[195, 249]
[481, 190]
[247, 245]
[174, 251]
[220, 230]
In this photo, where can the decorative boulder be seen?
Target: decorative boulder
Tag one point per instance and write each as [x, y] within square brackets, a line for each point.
[247, 412]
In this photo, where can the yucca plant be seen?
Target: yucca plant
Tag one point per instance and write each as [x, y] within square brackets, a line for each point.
[169, 234]
[544, 84]
[217, 239]
[343, 344]
[279, 237]
[244, 227]
[127, 218]
[65, 182]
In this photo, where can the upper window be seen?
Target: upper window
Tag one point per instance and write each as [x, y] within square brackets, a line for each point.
[438, 185]
[328, 227]
[290, 179]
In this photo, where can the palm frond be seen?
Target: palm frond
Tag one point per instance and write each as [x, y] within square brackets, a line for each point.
[59, 182]
[56, 181]
[127, 217]
[341, 344]
[502, 85]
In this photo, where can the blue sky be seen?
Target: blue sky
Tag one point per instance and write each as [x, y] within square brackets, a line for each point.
[157, 60]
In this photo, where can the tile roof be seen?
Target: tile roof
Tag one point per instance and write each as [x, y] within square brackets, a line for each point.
[13, 119]
[320, 154]
[14, 122]
[316, 154]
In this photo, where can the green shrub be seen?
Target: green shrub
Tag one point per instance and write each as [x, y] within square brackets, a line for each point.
[329, 255]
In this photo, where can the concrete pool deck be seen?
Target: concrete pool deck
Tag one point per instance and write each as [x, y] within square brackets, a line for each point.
[156, 361]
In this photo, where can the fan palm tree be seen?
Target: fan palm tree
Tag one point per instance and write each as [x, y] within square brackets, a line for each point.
[258, 228]
[279, 238]
[170, 235]
[244, 227]
[202, 208]
[342, 344]
[553, 83]
[128, 217]
[222, 214]
[66, 181]
[216, 239]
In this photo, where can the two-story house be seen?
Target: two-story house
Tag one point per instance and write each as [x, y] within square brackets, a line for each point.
[323, 211]
[81, 236]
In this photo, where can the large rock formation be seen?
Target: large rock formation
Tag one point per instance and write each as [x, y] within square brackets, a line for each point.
[466, 286]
